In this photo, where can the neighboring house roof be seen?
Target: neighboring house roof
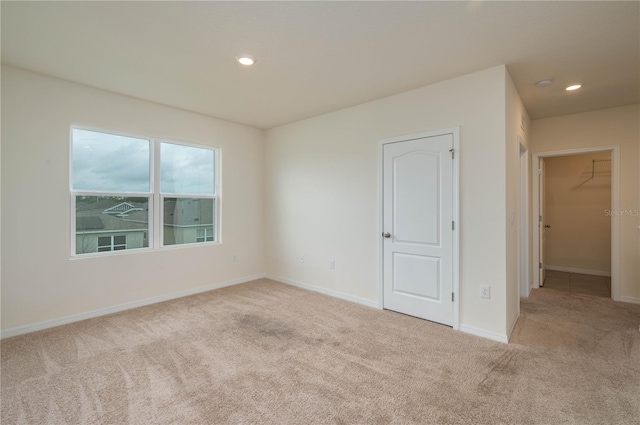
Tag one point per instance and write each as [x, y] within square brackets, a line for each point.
[106, 222]
[120, 224]
[102, 204]
[122, 209]
[103, 215]
[89, 223]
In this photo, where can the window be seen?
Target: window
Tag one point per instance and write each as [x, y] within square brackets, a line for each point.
[132, 192]
[112, 243]
[187, 182]
[204, 235]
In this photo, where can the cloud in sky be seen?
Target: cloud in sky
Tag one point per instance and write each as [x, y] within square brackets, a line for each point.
[114, 163]
[186, 169]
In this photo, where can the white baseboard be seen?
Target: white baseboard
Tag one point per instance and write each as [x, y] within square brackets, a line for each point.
[330, 292]
[369, 303]
[577, 271]
[632, 300]
[19, 330]
[485, 334]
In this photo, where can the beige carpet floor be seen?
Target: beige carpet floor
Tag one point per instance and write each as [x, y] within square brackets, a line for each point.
[264, 352]
[581, 283]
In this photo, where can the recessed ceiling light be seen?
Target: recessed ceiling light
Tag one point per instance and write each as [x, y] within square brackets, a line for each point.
[573, 87]
[545, 82]
[246, 59]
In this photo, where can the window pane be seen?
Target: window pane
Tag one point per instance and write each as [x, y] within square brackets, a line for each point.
[187, 170]
[185, 218]
[104, 241]
[106, 223]
[109, 162]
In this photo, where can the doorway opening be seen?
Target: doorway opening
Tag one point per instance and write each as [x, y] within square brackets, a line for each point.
[576, 233]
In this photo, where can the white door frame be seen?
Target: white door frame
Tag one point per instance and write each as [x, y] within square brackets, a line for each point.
[615, 205]
[455, 131]
[523, 228]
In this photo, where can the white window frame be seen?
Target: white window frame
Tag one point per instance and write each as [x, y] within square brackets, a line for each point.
[156, 197]
[159, 207]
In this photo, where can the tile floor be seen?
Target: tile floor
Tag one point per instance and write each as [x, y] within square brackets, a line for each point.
[581, 283]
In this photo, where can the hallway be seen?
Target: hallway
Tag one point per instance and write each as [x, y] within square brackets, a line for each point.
[599, 286]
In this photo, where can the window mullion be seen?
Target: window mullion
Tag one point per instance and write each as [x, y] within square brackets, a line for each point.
[157, 198]
[112, 194]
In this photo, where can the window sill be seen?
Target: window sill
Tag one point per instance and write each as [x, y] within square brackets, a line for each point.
[142, 250]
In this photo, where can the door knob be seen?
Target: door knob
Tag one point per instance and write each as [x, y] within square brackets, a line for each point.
[546, 226]
[386, 234]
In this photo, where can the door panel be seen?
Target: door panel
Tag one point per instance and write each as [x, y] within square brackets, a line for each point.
[416, 218]
[417, 213]
[407, 266]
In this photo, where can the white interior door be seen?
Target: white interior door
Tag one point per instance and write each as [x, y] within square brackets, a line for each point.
[418, 234]
[541, 220]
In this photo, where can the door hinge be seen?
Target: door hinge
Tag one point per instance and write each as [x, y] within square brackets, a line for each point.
[540, 219]
[452, 297]
[539, 265]
[453, 225]
[539, 171]
[453, 154]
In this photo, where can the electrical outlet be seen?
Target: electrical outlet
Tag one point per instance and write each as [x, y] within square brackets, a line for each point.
[485, 291]
[332, 264]
[301, 259]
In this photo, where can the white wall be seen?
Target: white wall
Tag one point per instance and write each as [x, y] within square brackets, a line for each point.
[513, 129]
[615, 126]
[39, 280]
[322, 191]
[320, 197]
[575, 205]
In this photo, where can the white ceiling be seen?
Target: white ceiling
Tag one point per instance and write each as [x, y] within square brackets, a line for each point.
[316, 57]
